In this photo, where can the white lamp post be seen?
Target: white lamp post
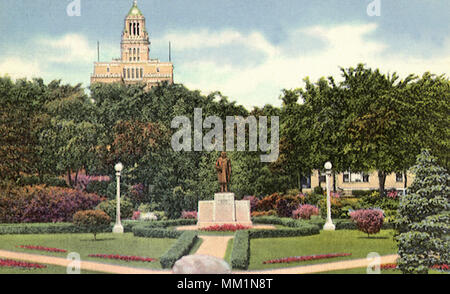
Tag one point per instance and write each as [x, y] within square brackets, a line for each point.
[118, 228]
[329, 226]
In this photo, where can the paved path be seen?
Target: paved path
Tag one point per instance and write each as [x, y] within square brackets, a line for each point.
[211, 245]
[214, 246]
[85, 265]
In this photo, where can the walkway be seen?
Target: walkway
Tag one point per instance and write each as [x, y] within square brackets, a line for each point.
[84, 265]
[214, 246]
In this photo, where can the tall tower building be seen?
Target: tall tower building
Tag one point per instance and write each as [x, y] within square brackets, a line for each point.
[135, 64]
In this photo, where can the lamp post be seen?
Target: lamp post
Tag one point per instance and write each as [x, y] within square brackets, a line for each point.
[118, 228]
[329, 226]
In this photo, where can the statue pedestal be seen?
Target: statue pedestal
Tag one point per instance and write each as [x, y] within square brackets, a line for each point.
[223, 210]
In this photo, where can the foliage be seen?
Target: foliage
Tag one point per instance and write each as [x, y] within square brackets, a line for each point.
[94, 221]
[98, 187]
[424, 218]
[268, 202]
[313, 198]
[368, 221]
[182, 247]
[263, 213]
[33, 204]
[253, 202]
[336, 207]
[286, 205]
[189, 214]
[305, 211]
[305, 258]
[109, 207]
[240, 254]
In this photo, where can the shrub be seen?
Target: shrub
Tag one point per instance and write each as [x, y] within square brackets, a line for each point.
[268, 203]
[94, 221]
[301, 230]
[39, 204]
[393, 194]
[362, 193]
[160, 215]
[189, 214]
[313, 198]
[182, 247]
[368, 221]
[318, 190]
[98, 187]
[240, 254]
[336, 207]
[263, 213]
[136, 194]
[305, 211]
[136, 215]
[285, 205]
[253, 202]
[109, 207]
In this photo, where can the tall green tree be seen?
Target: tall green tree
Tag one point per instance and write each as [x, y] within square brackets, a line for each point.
[424, 218]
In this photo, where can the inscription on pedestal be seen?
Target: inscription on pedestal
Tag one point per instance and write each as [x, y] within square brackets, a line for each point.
[224, 209]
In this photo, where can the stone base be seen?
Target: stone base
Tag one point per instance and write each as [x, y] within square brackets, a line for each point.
[223, 210]
[210, 224]
[329, 226]
[118, 229]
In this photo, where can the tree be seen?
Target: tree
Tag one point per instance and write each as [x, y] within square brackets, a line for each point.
[93, 221]
[424, 218]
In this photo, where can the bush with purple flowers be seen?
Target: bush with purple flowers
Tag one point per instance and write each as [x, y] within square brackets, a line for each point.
[305, 211]
[368, 221]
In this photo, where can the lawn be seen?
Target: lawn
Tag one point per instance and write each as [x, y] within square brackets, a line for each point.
[50, 269]
[363, 271]
[84, 244]
[341, 241]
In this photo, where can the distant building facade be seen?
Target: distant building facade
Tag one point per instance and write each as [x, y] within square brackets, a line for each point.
[135, 64]
[351, 181]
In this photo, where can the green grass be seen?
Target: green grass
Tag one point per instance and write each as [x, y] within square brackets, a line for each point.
[84, 244]
[50, 269]
[227, 257]
[342, 241]
[363, 271]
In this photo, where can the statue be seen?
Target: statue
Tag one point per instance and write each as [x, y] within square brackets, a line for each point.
[223, 168]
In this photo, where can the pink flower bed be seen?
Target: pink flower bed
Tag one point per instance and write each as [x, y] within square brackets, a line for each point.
[305, 211]
[225, 228]
[305, 258]
[189, 214]
[22, 264]
[42, 248]
[123, 257]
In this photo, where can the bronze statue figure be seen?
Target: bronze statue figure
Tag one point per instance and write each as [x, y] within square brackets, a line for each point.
[223, 168]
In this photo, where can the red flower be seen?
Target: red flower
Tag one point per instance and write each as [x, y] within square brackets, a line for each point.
[305, 258]
[21, 264]
[123, 257]
[42, 248]
[225, 228]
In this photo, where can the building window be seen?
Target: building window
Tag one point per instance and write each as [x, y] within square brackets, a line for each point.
[399, 177]
[142, 73]
[128, 73]
[107, 69]
[322, 178]
[359, 177]
[305, 182]
[157, 69]
[132, 73]
[124, 73]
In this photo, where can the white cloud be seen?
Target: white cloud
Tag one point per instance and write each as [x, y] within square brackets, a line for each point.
[344, 46]
[17, 68]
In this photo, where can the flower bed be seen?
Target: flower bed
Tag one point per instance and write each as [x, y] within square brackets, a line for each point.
[123, 257]
[225, 228]
[21, 264]
[42, 248]
[305, 258]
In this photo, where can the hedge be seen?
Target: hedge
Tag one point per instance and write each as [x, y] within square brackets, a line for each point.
[171, 223]
[145, 231]
[54, 228]
[305, 230]
[240, 254]
[182, 247]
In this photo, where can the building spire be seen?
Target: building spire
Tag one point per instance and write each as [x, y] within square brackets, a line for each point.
[135, 2]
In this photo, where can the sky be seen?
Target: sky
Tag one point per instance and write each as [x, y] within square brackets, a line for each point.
[249, 50]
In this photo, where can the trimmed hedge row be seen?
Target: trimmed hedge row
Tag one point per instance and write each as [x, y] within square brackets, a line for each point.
[145, 231]
[171, 223]
[54, 228]
[181, 248]
[240, 254]
[305, 230]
